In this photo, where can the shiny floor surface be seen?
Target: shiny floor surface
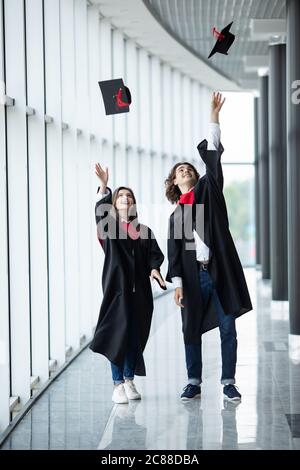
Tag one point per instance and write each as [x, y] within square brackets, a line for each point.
[76, 411]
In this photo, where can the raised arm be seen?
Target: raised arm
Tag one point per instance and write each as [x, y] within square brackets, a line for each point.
[103, 202]
[103, 177]
[211, 150]
[103, 193]
[216, 106]
[211, 156]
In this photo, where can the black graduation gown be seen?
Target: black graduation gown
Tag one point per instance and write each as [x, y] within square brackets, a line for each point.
[127, 264]
[225, 267]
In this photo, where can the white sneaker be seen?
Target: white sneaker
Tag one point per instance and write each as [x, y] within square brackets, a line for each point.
[131, 391]
[119, 395]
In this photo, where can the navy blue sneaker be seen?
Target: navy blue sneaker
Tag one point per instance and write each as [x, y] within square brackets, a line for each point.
[190, 392]
[230, 393]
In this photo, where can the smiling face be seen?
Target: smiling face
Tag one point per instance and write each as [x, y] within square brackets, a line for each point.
[124, 200]
[185, 175]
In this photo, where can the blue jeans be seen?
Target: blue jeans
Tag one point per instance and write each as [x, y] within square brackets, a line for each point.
[126, 371]
[193, 353]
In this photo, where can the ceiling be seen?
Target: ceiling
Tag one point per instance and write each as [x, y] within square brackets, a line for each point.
[191, 23]
[138, 24]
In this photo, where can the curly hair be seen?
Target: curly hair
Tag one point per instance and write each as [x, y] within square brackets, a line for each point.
[172, 190]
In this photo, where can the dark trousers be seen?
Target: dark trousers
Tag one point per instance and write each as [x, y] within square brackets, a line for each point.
[193, 352]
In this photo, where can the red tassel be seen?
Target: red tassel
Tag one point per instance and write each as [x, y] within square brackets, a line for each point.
[120, 102]
[218, 35]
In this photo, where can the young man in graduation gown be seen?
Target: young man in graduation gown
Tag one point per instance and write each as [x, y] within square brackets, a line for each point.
[204, 266]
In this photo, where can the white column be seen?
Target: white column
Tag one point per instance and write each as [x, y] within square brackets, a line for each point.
[97, 255]
[84, 170]
[106, 123]
[167, 114]
[158, 170]
[156, 118]
[4, 317]
[133, 178]
[70, 173]
[37, 190]
[196, 125]
[144, 100]
[177, 115]
[96, 117]
[119, 120]
[133, 174]
[186, 115]
[96, 113]
[167, 124]
[17, 199]
[134, 181]
[158, 177]
[54, 182]
[205, 98]
[131, 79]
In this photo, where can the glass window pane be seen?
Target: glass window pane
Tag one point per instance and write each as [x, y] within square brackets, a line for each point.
[237, 126]
[239, 195]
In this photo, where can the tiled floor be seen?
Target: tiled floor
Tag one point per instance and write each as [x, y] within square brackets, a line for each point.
[76, 412]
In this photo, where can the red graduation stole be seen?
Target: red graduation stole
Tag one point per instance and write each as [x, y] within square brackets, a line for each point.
[130, 229]
[127, 227]
[187, 198]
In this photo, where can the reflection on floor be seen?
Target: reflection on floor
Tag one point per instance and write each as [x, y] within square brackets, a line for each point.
[76, 412]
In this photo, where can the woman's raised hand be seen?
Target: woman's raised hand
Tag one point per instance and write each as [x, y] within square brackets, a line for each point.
[102, 175]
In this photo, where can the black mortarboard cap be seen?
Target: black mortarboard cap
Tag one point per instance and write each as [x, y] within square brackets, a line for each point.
[224, 41]
[116, 96]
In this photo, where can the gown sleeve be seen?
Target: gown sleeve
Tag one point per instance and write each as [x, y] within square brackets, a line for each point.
[174, 252]
[102, 208]
[213, 143]
[212, 160]
[214, 175]
[156, 256]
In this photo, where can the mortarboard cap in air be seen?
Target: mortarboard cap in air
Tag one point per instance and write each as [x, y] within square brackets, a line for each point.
[224, 40]
[116, 96]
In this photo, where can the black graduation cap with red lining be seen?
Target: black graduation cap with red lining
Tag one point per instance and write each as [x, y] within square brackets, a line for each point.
[116, 96]
[225, 40]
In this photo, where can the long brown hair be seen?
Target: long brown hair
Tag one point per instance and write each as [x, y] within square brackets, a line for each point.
[114, 202]
[172, 190]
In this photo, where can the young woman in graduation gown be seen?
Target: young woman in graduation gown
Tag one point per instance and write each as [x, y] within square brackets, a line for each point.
[131, 257]
[210, 286]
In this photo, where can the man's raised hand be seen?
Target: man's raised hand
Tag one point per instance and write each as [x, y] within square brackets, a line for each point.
[216, 106]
